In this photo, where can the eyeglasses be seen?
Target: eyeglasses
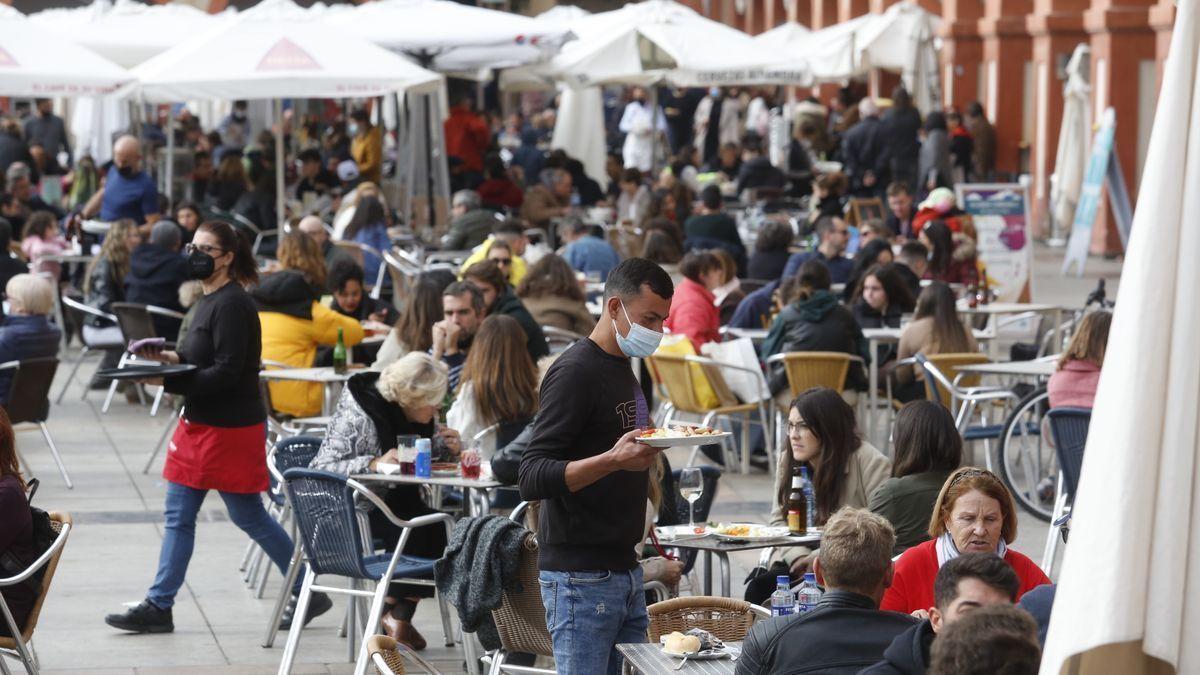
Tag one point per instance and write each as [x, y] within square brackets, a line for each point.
[797, 426]
[502, 261]
[203, 248]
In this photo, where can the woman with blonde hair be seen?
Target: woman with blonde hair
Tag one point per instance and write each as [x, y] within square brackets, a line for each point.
[376, 407]
[499, 382]
[104, 284]
[300, 252]
[1074, 384]
[25, 332]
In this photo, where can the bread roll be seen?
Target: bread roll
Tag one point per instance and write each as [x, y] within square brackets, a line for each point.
[682, 644]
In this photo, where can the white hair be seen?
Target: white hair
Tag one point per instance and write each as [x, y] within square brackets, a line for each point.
[33, 294]
[414, 381]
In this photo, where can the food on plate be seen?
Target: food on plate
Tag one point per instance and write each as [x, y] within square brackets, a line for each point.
[679, 432]
[444, 466]
[735, 530]
[679, 643]
[749, 530]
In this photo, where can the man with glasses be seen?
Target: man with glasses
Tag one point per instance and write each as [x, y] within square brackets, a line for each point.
[834, 234]
[511, 233]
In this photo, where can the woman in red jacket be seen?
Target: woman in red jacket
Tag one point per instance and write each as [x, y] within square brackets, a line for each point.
[974, 513]
[694, 311]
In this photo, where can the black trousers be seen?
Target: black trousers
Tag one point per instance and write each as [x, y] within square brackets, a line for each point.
[424, 542]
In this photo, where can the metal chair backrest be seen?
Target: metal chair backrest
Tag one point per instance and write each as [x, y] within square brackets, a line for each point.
[680, 379]
[29, 394]
[135, 320]
[558, 339]
[296, 452]
[353, 248]
[521, 617]
[1069, 429]
[62, 524]
[806, 370]
[725, 618]
[78, 310]
[941, 370]
[325, 517]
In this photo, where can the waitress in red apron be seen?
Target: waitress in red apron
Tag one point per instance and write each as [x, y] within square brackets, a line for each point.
[219, 442]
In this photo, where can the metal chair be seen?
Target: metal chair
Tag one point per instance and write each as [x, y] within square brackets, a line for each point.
[334, 544]
[78, 311]
[21, 645]
[964, 402]
[359, 252]
[558, 339]
[725, 618]
[29, 403]
[1069, 429]
[137, 323]
[387, 656]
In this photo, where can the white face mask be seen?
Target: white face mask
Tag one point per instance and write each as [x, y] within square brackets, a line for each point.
[641, 341]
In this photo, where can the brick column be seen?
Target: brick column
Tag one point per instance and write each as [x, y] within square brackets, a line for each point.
[1056, 27]
[962, 51]
[849, 9]
[1006, 49]
[1121, 38]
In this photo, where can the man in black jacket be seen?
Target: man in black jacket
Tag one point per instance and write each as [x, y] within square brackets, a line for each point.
[156, 271]
[846, 632]
[864, 157]
[962, 584]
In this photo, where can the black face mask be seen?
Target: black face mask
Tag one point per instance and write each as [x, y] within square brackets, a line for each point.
[125, 171]
[201, 265]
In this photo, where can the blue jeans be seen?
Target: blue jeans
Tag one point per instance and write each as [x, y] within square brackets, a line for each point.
[179, 536]
[589, 614]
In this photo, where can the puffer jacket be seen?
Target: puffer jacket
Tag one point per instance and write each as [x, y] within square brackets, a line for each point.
[818, 324]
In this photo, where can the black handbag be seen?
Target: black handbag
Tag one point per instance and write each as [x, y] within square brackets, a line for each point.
[761, 582]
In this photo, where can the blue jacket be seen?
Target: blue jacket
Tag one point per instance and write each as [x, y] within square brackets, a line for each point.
[24, 337]
[839, 267]
[592, 254]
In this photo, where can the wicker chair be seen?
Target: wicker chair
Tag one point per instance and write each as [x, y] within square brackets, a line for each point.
[387, 656]
[948, 365]
[806, 370]
[521, 617]
[726, 618]
[22, 647]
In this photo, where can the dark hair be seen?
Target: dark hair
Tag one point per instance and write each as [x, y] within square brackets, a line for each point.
[360, 115]
[975, 109]
[38, 223]
[774, 236]
[310, 155]
[866, 258]
[513, 226]
[812, 277]
[367, 212]
[824, 225]
[935, 121]
[831, 420]
[660, 247]
[200, 154]
[696, 263]
[752, 142]
[710, 196]
[943, 246]
[460, 288]
[991, 640]
[898, 187]
[189, 205]
[243, 269]
[422, 309]
[900, 98]
[5, 235]
[493, 166]
[550, 276]
[897, 292]
[343, 272]
[949, 335]
[925, 439]
[489, 273]
[631, 175]
[989, 568]
[10, 464]
[626, 280]
[913, 249]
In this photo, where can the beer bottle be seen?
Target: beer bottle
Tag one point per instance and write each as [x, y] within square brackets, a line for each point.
[985, 291]
[797, 505]
[339, 355]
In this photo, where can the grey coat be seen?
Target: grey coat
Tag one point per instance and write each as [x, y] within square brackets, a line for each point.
[934, 159]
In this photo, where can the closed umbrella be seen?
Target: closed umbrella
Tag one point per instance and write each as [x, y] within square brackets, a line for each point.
[1070, 162]
[1126, 602]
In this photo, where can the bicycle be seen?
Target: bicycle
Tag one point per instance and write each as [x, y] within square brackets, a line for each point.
[1027, 463]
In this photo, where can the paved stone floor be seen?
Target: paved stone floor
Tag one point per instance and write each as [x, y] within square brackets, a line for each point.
[111, 556]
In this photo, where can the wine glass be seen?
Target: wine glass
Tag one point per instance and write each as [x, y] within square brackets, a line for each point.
[691, 486]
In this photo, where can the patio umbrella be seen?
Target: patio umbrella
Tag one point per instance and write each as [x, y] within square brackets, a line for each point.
[1070, 162]
[1126, 600]
[35, 61]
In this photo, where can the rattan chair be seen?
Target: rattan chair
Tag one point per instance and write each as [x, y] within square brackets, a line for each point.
[806, 370]
[387, 656]
[21, 647]
[725, 618]
[521, 617]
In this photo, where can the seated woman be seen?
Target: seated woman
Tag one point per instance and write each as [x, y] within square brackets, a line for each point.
[1074, 384]
[350, 297]
[936, 329]
[693, 312]
[974, 513]
[301, 253]
[729, 292]
[951, 255]
[498, 298]
[770, 251]
[25, 332]
[104, 284]
[814, 321]
[498, 382]
[294, 324]
[870, 254]
[928, 449]
[376, 407]
[369, 226]
[844, 468]
[552, 295]
[633, 202]
[16, 537]
[413, 331]
[881, 298]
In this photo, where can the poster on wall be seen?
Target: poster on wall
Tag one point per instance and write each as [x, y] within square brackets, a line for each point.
[1000, 212]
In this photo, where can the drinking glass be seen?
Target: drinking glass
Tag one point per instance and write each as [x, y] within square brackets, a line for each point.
[406, 448]
[691, 486]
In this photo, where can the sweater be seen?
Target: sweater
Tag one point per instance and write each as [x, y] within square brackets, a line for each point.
[719, 226]
[482, 560]
[907, 502]
[1074, 385]
[912, 585]
[16, 537]
[694, 314]
[535, 341]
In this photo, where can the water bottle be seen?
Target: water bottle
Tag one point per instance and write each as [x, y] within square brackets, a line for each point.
[809, 594]
[810, 499]
[424, 468]
[783, 602]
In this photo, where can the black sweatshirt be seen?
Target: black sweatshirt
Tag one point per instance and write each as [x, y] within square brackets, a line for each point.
[589, 399]
[225, 343]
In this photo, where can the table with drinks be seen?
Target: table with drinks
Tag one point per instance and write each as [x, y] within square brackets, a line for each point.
[416, 467]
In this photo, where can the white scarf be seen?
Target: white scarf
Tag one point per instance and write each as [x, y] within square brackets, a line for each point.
[947, 551]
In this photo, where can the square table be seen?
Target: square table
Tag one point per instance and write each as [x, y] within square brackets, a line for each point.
[330, 380]
[995, 309]
[647, 658]
[712, 545]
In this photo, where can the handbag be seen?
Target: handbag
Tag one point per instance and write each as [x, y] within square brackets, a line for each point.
[761, 582]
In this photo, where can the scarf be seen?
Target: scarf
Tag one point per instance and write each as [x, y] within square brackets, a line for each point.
[947, 551]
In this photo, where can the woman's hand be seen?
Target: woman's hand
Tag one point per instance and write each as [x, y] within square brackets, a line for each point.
[389, 457]
[151, 381]
[158, 354]
[450, 440]
[801, 565]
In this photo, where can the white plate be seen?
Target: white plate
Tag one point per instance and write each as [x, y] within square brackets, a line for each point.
[676, 441]
[706, 655]
[679, 533]
[763, 533]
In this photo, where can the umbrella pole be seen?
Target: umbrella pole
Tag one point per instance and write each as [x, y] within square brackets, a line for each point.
[170, 172]
[653, 131]
[279, 171]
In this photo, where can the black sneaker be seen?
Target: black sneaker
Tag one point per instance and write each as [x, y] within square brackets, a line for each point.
[318, 604]
[145, 618]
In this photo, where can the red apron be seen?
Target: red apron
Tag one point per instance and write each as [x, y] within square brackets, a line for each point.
[228, 459]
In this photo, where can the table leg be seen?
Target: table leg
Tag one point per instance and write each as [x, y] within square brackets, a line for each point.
[725, 581]
[708, 572]
[873, 394]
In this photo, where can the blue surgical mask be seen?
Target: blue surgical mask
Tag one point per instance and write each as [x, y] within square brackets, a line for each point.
[641, 341]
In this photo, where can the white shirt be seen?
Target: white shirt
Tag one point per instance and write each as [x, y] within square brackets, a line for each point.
[638, 125]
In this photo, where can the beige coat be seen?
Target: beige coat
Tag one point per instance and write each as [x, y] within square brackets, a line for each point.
[541, 205]
[917, 338]
[866, 470]
[560, 312]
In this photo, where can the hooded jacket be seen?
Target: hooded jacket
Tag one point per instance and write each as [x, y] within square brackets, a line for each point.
[155, 275]
[817, 324]
[908, 654]
[294, 324]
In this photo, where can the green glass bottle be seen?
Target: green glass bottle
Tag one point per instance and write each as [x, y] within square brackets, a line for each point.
[339, 355]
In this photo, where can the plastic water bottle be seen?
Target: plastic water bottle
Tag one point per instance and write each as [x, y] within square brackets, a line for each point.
[810, 499]
[783, 602]
[809, 594]
[424, 468]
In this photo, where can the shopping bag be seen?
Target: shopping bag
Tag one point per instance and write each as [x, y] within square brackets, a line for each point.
[680, 345]
[748, 387]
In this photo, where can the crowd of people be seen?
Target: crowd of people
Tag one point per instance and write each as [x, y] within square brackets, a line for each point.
[467, 343]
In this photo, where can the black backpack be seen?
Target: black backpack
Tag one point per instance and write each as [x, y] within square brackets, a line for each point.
[43, 538]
